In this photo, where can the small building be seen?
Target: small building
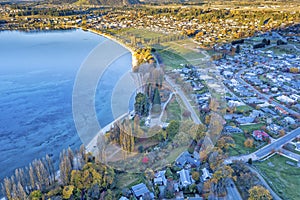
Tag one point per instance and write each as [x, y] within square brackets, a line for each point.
[285, 99]
[195, 198]
[297, 146]
[260, 135]
[206, 175]
[141, 190]
[160, 178]
[187, 158]
[257, 113]
[289, 120]
[185, 178]
[274, 128]
[231, 129]
[268, 110]
[245, 120]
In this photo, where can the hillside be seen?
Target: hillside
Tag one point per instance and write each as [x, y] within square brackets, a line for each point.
[98, 2]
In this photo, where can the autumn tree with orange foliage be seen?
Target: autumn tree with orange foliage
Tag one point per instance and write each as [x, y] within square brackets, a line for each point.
[249, 143]
[259, 193]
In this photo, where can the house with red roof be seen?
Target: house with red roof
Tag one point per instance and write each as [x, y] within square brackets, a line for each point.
[260, 135]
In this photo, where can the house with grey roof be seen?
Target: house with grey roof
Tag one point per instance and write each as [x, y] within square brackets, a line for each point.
[231, 129]
[206, 175]
[187, 158]
[160, 178]
[274, 128]
[289, 120]
[140, 191]
[185, 178]
[245, 120]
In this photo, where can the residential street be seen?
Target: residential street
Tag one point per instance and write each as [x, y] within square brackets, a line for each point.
[290, 154]
[266, 150]
[265, 184]
[267, 97]
[188, 105]
[232, 192]
[277, 144]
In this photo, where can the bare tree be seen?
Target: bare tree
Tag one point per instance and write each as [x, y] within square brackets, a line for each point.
[65, 168]
[32, 177]
[50, 168]
[7, 187]
[101, 144]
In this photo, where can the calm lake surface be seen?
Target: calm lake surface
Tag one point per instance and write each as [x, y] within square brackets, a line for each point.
[37, 73]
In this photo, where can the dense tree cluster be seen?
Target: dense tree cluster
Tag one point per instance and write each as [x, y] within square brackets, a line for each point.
[141, 105]
[39, 175]
[259, 193]
[142, 55]
[80, 177]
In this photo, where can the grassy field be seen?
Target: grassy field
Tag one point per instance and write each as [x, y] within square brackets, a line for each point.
[179, 52]
[250, 128]
[127, 179]
[173, 110]
[171, 60]
[243, 109]
[239, 146]
[175, 153]
[283, 178]
[172, 53]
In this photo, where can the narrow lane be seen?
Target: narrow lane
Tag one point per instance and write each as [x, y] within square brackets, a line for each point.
[184, 99]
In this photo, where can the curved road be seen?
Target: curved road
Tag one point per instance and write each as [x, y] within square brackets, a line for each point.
[178, 91]
[184, 99]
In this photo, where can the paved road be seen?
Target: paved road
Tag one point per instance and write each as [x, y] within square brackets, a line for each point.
[233, 95]
[265, 184]
[182, 96]
[295, 47]
[232, 192]
[267, 97]
[184, 99]
[277, 144]
[290, 154]
[164, 107]
[266, 150]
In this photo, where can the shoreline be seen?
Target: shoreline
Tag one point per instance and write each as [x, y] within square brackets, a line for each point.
[110, 38]
[92, 145]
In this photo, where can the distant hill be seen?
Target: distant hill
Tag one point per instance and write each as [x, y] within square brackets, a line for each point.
[110, 2]
[171, 1]
[91, 2]
[98, 2]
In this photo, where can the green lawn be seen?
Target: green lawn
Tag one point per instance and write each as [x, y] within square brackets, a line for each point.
[125, 179]
[252, 127]
[263, 79]
[171, 60]
[175, 153]
[283, 178]
[179, 52]
[239, 148]
[243, 109]
[173, 110]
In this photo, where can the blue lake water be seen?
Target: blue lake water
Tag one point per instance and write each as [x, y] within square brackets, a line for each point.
[37, 73]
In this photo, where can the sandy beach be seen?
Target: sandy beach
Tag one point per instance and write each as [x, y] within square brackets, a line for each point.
[92, 145]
